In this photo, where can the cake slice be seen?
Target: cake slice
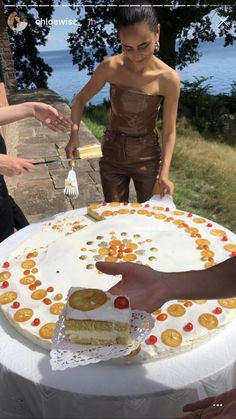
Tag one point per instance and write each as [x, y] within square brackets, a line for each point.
[90, 151]
[95, 317]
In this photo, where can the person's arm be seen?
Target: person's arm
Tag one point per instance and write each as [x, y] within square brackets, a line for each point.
[170, 106]
[94, 85]
[13, 166]
[149, 289]
[43, 112]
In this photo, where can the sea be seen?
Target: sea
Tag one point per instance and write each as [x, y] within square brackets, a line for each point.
[216, 61]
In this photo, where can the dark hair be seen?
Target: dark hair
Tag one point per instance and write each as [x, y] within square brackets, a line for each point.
[130, 13]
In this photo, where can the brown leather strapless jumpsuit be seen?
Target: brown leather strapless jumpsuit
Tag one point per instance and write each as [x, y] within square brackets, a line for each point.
[131, 148]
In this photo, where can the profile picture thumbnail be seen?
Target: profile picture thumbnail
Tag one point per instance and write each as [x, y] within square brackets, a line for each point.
[17, 21]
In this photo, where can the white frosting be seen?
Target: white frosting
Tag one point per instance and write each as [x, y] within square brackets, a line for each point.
[106, 312]
[60, 267]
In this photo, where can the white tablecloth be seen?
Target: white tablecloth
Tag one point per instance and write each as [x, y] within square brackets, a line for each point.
[29, 388]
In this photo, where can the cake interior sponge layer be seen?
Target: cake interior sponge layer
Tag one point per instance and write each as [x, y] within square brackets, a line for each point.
[90, 332]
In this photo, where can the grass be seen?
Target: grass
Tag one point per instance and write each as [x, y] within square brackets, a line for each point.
[204, 172]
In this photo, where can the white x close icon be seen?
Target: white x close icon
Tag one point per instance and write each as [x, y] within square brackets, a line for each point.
[223, 21]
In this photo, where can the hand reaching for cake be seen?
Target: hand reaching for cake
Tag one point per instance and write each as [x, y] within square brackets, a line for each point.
[143, 285]
[148, 289]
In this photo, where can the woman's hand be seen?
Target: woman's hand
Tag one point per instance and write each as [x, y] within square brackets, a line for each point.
[50, 117]
[145, 287]
[71, 148]
[222, 406]
[164, 185]
[13, 166]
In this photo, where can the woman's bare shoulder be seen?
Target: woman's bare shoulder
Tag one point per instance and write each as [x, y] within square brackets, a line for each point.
[110, 66]
[168, 74]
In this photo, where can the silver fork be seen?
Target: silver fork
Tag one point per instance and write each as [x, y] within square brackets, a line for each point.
[71, 185]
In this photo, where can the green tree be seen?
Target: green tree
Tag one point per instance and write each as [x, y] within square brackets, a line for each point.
[191, 25]
[31, 70]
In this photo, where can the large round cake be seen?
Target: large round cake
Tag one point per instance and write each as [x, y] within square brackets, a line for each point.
[35, 279]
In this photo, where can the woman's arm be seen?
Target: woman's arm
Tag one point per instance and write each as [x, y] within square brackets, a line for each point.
[43, 112]
[94, 85]
[170, 106]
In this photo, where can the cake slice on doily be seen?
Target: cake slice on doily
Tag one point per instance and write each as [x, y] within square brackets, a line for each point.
[95, 317]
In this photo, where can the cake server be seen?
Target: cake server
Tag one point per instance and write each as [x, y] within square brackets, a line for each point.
[41, 163]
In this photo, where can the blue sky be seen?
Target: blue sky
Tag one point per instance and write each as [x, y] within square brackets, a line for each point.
[59, 33]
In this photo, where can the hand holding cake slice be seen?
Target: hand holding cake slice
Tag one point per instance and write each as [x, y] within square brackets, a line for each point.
[95, 317]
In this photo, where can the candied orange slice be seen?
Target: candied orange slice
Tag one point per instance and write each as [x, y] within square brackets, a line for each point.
[130, 257]
[142, 212]
[230, 247]
[200, 301]
[106, 213]
[202, 242]
[132, 246]
[8, 297]
[87, 299]
[28, 264]
[39, 294]
[4, 276]
[23, 315]
[207, 320]
[209, 264]
[115, 243]
[171, 337]
[28, 279]
[178, 212]
[176, 310]
[217, 232]
[58, 297]
[110, 259]
[228, 302]
[123, 211]
[57, 308]
[199, 220]
[103, 251]
[207, 253]
[160, 216]
[47, 330]
[191, 230]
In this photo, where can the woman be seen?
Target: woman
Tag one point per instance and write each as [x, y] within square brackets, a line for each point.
[11, 216]
[139, 82]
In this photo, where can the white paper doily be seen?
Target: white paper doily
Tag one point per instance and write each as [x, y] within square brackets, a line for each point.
[68, 355]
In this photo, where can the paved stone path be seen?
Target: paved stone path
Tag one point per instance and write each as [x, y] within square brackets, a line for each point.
[40, 193]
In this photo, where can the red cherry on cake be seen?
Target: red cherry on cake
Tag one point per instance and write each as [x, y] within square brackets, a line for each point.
[190, 214]
[5, 284]
[209, 225]
[218, 310]
[188, 327]
[167, 209]
[224, 239]
[126, 203]
[121, 302]
[6, 264]
[233, 254]
[104, 203]
[36, 322]
[16, 304]
[152, 340]
[146, 205]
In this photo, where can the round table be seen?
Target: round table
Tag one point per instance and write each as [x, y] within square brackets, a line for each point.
[159, 389]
